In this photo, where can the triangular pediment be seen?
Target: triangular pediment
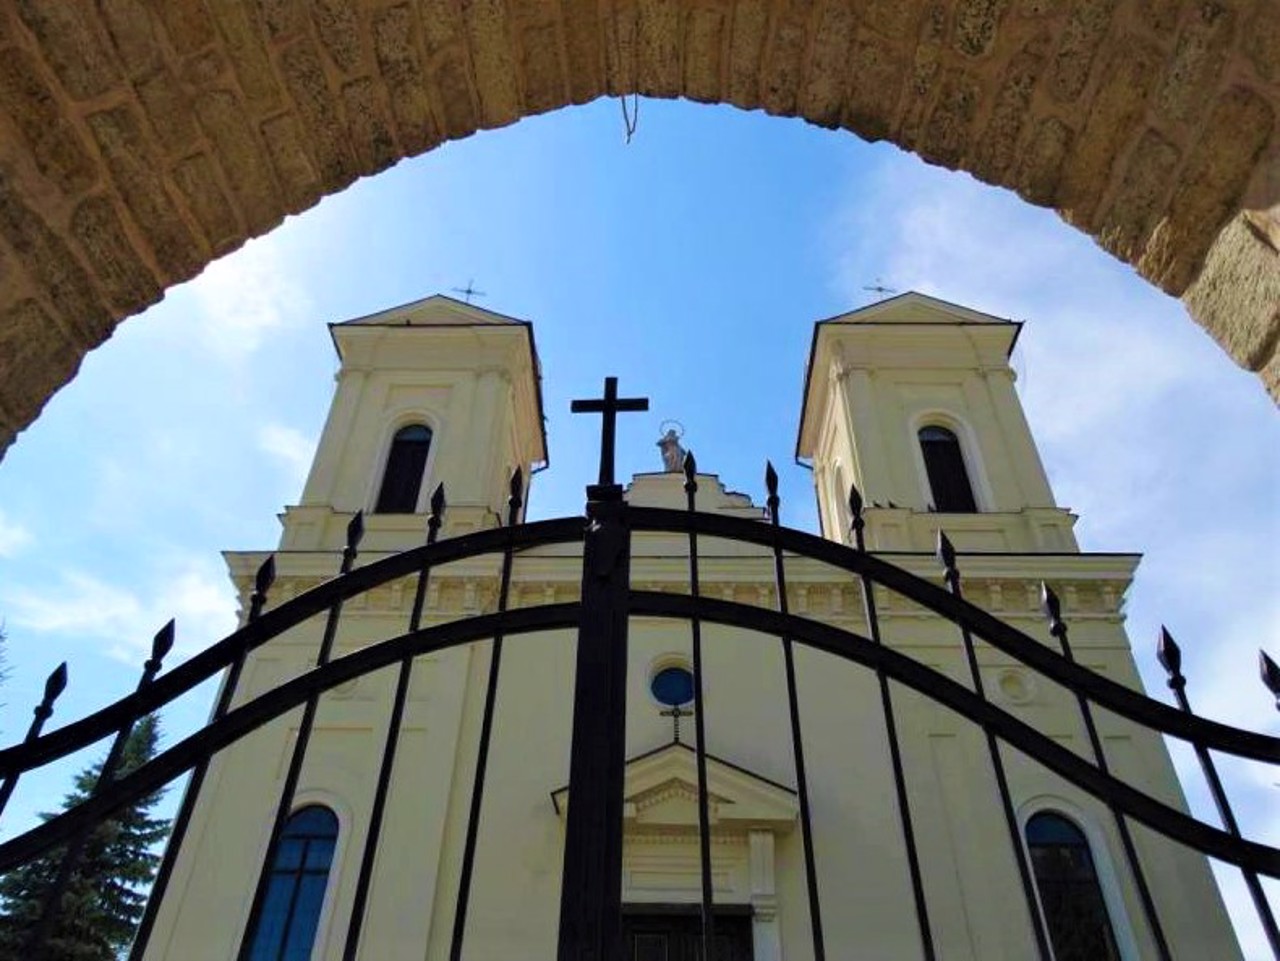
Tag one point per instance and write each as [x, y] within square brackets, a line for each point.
[915, 308]
[438, 310]
[661, 794]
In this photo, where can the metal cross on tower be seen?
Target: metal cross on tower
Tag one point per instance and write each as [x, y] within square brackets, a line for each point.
[609, 406]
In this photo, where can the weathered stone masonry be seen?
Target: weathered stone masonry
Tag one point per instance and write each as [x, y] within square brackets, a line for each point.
[140, 139]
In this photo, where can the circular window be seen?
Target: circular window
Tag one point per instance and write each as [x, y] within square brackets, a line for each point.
[672, 686]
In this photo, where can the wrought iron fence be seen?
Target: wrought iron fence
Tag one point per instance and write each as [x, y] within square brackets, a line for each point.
[590, 926]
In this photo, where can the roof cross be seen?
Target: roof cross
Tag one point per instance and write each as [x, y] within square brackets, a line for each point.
[609, 405]
[675, 713]
[469, 291]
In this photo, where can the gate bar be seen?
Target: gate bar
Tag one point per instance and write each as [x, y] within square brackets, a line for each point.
[699, 724]
[793, 704]
[947, 555]
[514, 502]
[859, 525]
[54, 685]
[392, 742]
[1057, 628]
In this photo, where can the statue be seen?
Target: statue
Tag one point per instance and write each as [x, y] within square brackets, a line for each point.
[669, 444]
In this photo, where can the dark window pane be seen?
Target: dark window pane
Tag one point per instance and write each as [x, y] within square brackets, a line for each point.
[948, 479]
[1070, 895]
[286, 928]
[406, 462]
[672, 686]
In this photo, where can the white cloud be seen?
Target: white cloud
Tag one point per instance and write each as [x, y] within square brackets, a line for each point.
[13, 536]
[247, 296]
[86, 607]
[291, 448]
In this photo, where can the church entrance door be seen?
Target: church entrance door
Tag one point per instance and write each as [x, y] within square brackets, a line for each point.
[676, 935]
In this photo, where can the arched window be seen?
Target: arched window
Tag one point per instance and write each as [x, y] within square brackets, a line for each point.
[406, 463]
[944, 464]
[1070, 895]
[286, 930]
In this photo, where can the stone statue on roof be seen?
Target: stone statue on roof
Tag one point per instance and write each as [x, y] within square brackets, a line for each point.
[669, 444]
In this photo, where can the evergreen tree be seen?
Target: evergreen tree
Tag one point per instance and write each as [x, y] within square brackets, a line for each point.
[107, 891]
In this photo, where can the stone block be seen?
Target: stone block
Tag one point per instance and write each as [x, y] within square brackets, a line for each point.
[1161, 16]
[1212, 181]
[891, 18]
[1192, 73]
[393, 33]
[368, 126]
[748, 31]
[54, 268]
[339, 32]
[197, 181]
[1236, 297]
[704, 39]
[544, 87]
[242, 32]
[947, 132]
[622, 53]
[317, 108]
[1127, 224]
[53, 142]
[135, 173]
[1261, 40]
[827, 79]
[1113, 122]
[283, 19]
[923, 76]
[976, 24]
[877, 72]
[74, 42]
[167, 106]
[1040, 166]
[659, 34]
[496, 81]
[582, 32]
[294, 169]
[123, 276]
[223, 119]
[132, 33]
[36, 358]
[784, 60]
[1078, 45]
[441, 24]
[206, 69]
[186, 22]
[453, 90]
[998, 146]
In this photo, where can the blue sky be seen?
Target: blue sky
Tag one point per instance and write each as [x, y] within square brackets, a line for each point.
[691, 263]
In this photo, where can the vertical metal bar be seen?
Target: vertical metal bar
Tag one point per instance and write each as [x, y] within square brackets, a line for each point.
[54, 685]
[591, 883]
[699, 724]
[947, 555]
[891, 733]
[1170, 657]
[797, 740]
[372, 836]
[182, 820]
[514, 502]
[355, 530]
[160, 646]
[1057, 628]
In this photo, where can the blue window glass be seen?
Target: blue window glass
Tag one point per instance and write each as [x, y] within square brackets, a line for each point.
[286, 931]
[1070, 895]
[672, 686]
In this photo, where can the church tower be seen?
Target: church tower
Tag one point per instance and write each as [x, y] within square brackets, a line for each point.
[432, 392]
[912, 400]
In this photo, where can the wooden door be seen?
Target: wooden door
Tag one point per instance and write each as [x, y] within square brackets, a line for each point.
[672, 936]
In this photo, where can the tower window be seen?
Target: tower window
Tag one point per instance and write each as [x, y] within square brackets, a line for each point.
[1070, 895]
[944, 463]
[286, 930]
[406, 463]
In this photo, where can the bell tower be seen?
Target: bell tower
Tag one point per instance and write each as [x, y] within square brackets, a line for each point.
[912, 400]
[436, 391]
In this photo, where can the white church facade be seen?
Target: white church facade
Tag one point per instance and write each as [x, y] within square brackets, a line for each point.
[912, 402]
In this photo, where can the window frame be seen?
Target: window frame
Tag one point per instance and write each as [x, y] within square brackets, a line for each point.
[969, 454]
[405, 419]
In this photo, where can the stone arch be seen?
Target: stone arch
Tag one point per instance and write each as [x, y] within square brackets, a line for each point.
[140, 139]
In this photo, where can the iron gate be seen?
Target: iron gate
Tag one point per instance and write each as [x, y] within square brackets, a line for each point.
[590, 925]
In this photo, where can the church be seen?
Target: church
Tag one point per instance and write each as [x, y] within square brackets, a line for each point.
[778, 801]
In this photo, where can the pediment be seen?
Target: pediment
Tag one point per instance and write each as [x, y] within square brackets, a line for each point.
[914, 307]
[438, 310]
[661, 794]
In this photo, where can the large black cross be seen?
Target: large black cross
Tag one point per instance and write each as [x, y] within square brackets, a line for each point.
[609, 405]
